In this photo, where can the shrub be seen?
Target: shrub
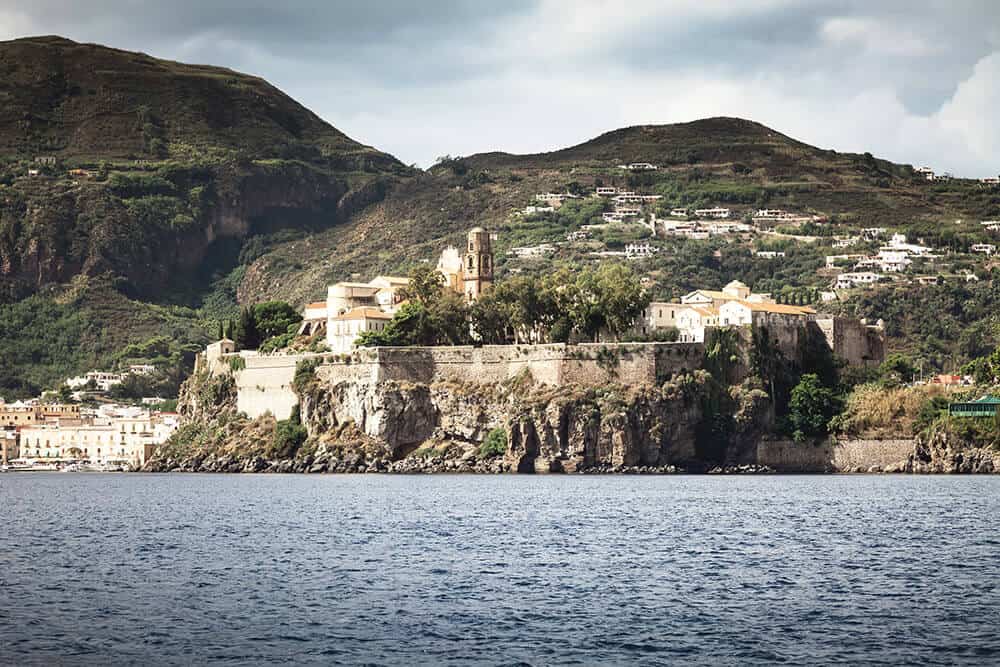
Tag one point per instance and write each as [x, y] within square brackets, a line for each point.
[305, 372]
[495, 444]
[289, 434]
[236, 364]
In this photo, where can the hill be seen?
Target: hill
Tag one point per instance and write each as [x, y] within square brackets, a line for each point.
[137, 180]
[712, 162]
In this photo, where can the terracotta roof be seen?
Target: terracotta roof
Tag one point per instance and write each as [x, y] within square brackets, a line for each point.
[777, 308]
[364, 313]
[705, 311]
[316, 304]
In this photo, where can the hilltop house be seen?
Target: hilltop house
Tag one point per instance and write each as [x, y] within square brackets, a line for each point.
[712, 212]
[856, 279]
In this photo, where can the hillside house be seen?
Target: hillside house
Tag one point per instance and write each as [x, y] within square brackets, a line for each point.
[540, 250]
[991, 225]
[769, 254]
[578, 236]
[678, 213]
[926, 172]
[712, 212]
[984, 248]
[857, 279]
[637, 250]
[638, 166]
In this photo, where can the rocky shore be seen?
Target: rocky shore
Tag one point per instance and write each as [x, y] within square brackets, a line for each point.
[519, 427]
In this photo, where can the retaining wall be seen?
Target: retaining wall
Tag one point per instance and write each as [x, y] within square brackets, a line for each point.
[853, 455]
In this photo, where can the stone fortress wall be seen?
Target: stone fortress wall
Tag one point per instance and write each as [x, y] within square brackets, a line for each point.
[264, 382]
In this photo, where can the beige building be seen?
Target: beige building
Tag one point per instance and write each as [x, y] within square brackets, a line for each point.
[126, 441]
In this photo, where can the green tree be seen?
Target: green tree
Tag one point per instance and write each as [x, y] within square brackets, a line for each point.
[245, 334]
[426, 285]
[811, 407]
[273, 318]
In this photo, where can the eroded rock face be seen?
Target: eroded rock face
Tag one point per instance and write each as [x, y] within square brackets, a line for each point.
[361, 426]
[943, 454]
[566, 430]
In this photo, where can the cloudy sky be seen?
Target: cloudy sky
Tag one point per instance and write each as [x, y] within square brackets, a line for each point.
[915, 81]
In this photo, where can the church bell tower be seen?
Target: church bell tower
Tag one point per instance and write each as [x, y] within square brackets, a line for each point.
[477, 265]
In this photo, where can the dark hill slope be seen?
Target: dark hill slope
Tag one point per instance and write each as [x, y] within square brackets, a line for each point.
[69, 99]
[132, 183]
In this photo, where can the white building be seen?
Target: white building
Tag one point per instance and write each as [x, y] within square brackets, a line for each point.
[693, 320]
[985, 248]
[678, 213]
[991, 225]
[342, 331]
[856, 279]
[769, 254]
[746, 313]
[712, 212]
[635, 250]
[872, 233]
[606, 191]
[926, 172]
[540, 250]
[535, 210]
[103, 381]
[638, 166]
[893, 261]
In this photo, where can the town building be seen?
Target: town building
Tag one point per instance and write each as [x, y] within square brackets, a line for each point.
[985, 248]
[128, 441]
[102, 380]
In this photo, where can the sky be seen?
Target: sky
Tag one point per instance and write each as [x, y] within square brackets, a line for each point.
[914, 81]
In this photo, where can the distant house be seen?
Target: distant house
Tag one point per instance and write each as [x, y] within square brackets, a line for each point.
[991, 225]
[45, 159]
[985, 248]
[638, 166]
[856, 279]
[606, 191]
[769, 254]
[926, 172]
[634, 250]
[678, 213]
[33, 173]
[712, 212]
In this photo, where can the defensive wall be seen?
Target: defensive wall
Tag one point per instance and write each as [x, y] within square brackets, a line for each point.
[264, 382]
[849, 455]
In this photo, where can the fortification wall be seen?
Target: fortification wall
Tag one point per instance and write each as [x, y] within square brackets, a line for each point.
[853, 455]
[264, 384]
[850, 339]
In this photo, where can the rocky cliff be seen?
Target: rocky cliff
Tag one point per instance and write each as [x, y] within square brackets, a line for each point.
[447, 427]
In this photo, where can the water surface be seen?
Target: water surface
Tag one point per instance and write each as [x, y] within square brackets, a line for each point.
[252, 569]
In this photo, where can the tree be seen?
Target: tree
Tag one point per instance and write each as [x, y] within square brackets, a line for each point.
[245, 333]
[811, 407]
[426, 285]
[897, 369]
[273, 318]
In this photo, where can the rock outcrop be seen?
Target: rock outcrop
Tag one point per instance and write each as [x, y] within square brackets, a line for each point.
[943, 452]
[408, 427]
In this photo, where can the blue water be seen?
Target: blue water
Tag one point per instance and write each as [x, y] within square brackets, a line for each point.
[195, 569]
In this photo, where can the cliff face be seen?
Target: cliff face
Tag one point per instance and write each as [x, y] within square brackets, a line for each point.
[403, 427]
[942, 452]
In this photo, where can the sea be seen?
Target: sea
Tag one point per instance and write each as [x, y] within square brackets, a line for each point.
[196, 569]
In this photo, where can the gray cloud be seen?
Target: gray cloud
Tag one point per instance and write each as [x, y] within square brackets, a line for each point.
[907, 79]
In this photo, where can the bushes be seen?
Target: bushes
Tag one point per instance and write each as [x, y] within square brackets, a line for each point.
[495, 444]
[289, 435]
[305, 372]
